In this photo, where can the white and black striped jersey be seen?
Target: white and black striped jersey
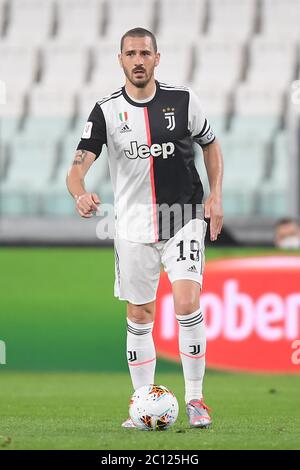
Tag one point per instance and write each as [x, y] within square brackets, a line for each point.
[151, 158]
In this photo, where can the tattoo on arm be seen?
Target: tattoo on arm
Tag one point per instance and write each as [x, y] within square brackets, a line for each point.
[205, 150]
[80, 156]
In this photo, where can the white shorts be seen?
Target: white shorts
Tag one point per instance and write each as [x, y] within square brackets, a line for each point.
[137, 265]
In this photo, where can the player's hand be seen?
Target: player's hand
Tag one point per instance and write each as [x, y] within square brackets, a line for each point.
[213, 211]
[86, 204]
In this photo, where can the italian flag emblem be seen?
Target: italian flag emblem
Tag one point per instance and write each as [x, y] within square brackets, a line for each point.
[123, 116]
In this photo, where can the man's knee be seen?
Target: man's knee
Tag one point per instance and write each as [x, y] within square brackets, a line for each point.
[186, 297]
[186, 306]
[141, 313]
[186, 303]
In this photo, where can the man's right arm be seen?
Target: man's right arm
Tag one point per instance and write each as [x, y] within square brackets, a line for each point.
[86, 203]
[88, 149]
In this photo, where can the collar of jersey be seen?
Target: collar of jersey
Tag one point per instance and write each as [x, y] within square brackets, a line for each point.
[141, 105]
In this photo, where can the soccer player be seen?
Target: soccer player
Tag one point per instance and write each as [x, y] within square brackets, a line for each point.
[287, 234]
[149, 128]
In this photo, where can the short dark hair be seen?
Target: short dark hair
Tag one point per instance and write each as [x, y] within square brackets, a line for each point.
[139, 33]
[285, 221]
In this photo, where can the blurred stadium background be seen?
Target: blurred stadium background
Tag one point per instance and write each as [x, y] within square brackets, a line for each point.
[57, 310]
[58, 57]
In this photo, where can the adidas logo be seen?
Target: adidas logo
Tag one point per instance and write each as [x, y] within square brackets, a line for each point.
[193, 269]
[125, 128]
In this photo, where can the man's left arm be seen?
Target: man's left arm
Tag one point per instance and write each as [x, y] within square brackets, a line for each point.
[213, 205]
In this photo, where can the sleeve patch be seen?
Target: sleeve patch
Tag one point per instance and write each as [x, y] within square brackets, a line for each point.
[87, 131]
[208, 138]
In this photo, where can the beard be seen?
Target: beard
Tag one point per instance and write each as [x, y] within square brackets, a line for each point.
[139, 82]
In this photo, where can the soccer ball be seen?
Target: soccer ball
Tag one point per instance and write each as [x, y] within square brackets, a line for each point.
[153, 407]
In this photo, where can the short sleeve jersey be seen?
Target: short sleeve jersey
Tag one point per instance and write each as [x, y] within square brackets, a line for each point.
[151, 158]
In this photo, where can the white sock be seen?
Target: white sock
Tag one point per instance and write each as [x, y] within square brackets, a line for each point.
[192, 347]
[141, 355]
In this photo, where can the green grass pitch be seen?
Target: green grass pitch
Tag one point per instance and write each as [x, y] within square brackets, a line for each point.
[58, 318]
[84, 411]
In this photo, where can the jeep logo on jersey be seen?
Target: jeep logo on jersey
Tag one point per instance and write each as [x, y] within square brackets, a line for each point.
[144, 151]
[170, 117]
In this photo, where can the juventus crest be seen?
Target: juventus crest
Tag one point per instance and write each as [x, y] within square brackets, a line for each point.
[170, 117]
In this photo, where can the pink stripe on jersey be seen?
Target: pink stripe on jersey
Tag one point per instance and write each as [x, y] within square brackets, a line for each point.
[151, 174]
